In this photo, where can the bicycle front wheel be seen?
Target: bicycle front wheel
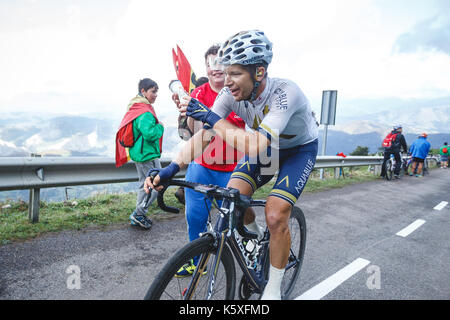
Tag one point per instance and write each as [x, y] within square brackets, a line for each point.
[389, 170]
[297, 229]
[167, 286]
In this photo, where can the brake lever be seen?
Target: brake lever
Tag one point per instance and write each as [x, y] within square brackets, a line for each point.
[160, 198]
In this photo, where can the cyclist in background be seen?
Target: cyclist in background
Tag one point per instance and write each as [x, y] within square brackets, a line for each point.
[444, 151]
[284, 139]
[419, 152]
[396, 144]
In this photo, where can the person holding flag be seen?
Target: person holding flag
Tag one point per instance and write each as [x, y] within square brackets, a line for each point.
[218, 160]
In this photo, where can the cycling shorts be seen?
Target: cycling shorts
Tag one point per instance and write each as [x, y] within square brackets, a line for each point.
[294, 165]
[419, 160]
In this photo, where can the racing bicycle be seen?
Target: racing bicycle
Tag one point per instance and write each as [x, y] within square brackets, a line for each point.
[391, 164]
[217, 249]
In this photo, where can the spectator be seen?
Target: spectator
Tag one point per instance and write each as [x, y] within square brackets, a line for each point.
[444, 155]
[201, 81]
[396, 144]
[217, 162]
[179, 194]
[146, 151]
[419, 151]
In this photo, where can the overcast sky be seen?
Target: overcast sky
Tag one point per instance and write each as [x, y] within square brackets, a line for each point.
[75, 57]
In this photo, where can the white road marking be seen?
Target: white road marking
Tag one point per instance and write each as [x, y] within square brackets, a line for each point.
[409, 229]
[441, 205]
[322, 289]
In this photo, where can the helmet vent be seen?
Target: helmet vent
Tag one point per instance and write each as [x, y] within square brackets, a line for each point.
[246, 47]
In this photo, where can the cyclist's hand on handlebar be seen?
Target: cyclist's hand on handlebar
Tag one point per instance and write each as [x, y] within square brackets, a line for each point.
[148, 184]
[157, 177]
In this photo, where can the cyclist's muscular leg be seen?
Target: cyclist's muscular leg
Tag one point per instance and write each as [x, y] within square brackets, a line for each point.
[246, 189]
[277, 217]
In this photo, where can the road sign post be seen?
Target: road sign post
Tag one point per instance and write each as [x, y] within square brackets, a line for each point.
[327, 117]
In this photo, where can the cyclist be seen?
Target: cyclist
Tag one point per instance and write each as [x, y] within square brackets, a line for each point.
[444, 151]
[419, 151]
[284, 139]
[398, 142]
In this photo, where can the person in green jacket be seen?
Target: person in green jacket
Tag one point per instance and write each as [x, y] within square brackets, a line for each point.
[444, 151]
[146, 150]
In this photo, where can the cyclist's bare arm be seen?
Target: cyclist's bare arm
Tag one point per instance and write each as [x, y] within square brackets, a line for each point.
[193, 149]
[251, 143]
[194, 125]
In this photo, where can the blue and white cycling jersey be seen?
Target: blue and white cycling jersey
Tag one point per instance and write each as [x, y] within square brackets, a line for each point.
[281, 111]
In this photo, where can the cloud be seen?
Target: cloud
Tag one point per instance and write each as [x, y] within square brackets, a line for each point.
[431, 34]
[72, 56]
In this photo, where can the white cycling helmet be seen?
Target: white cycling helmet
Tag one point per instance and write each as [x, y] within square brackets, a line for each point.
[246, 47]
[399, 126]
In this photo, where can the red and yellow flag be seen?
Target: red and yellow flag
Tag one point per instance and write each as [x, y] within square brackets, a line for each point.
[184, 71]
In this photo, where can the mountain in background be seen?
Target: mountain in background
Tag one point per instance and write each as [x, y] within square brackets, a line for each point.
[93, 135]
[414, 120]
[338, 141]
[67, 136]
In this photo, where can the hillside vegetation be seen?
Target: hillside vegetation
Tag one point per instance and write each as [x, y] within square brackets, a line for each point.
[112, 210]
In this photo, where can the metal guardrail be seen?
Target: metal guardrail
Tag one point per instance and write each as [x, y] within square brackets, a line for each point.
[35, 173]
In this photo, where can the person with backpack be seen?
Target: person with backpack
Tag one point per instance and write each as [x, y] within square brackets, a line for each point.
[444, 155]
[139, 138]
[392, 144]
[419, 152]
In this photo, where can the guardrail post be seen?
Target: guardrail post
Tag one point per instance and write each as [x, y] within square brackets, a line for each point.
[33, 205]
[337, 172]
[377, 170]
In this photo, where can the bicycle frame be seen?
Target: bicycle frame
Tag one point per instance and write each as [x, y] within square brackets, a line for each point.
[403, 163]
[224, 235]
[228, 230]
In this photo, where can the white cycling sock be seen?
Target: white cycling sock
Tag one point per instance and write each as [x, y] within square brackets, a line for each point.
[255, 228]
[273, 287]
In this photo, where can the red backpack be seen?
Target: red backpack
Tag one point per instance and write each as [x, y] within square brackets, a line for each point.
[390, 138]
[126, 136]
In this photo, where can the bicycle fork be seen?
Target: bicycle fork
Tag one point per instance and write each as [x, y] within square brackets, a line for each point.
[219, 243]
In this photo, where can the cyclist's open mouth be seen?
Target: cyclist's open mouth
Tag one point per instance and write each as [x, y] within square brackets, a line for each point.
[235, 92]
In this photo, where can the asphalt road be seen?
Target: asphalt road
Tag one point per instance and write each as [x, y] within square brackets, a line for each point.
[353, 250]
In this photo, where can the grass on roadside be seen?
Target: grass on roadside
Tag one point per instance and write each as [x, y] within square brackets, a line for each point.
[107, 209]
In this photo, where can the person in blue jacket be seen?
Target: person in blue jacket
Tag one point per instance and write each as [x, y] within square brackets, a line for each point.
[419, 151]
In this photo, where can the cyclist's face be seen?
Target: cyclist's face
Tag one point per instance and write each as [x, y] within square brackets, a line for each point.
[239, 81]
